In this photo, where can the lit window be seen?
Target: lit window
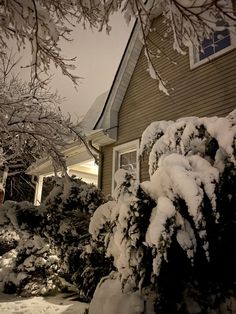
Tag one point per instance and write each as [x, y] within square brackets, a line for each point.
[125, 156]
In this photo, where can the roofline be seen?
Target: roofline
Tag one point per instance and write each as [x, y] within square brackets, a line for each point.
[98, 137]
[108, 119]
[117, 72]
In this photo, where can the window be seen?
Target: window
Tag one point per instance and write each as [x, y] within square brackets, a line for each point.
[128, 161]
[218, 41]
[217, 44]
[125, 156]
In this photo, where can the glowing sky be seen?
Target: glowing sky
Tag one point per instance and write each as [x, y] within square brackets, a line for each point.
[98, 56]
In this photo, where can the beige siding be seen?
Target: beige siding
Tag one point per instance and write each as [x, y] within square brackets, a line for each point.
[107, 169]
[207, 90]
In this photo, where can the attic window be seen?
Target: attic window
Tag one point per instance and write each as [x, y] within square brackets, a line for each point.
[218, 43]
[125, 156]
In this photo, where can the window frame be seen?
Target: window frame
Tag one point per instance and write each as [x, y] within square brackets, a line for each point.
[122, 149]
[193, 51]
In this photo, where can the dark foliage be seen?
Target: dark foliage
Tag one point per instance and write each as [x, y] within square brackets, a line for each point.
[55, 240]
[19, 188]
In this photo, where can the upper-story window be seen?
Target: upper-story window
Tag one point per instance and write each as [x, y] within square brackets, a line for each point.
[218, 43]
[125, 157]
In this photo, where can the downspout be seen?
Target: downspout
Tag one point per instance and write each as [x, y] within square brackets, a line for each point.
[100, 171]
[33, 180]
[99, 162]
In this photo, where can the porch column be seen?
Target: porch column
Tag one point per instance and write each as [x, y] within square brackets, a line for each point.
[38, 191]
[3, 179]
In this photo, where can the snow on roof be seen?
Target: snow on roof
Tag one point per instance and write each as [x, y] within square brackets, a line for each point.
[90, 119]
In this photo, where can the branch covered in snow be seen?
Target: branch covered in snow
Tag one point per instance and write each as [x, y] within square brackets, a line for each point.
[32, 125]
[214, 137]
[45, 24]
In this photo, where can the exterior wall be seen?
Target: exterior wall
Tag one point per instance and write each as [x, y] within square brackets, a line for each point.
[106, 173]
[207, 90]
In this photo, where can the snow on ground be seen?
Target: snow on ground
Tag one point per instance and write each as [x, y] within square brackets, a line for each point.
[11, 304]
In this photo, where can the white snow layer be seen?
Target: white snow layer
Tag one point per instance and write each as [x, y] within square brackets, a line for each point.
[100, 217]
[187, 178]
[180, 176]
[160, 214]
[90, 119]
[109, 299]
[151, 134]
[7, 263]
[10, 304]
[184, 137]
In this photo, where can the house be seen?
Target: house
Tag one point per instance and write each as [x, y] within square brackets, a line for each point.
[199, 84]
[79, 161]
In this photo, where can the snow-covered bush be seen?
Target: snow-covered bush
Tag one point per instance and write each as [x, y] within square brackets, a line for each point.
[174, 234]
[9, 237]
[88, 266]
[36, 268]
[69, 207]
[125, 224]
[50, 242]
[68, 194]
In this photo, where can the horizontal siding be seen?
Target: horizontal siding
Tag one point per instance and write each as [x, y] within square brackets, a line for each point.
[107, 169]
[207, 90]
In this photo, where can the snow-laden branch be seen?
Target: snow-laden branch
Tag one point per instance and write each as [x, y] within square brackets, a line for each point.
[32, 125]
[46, 23]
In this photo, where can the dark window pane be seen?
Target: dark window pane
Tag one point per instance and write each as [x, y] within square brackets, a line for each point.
[128, 161]
[220, 35]
[222, 44]
[219, 41]
[207, 52]
[207, 42]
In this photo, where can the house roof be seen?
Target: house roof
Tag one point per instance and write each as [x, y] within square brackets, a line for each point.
[108, 119]
[103, 114]
[91, 117]
[74, 153]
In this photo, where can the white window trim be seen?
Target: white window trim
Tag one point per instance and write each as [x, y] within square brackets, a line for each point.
[193, 49]
[124, 148]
